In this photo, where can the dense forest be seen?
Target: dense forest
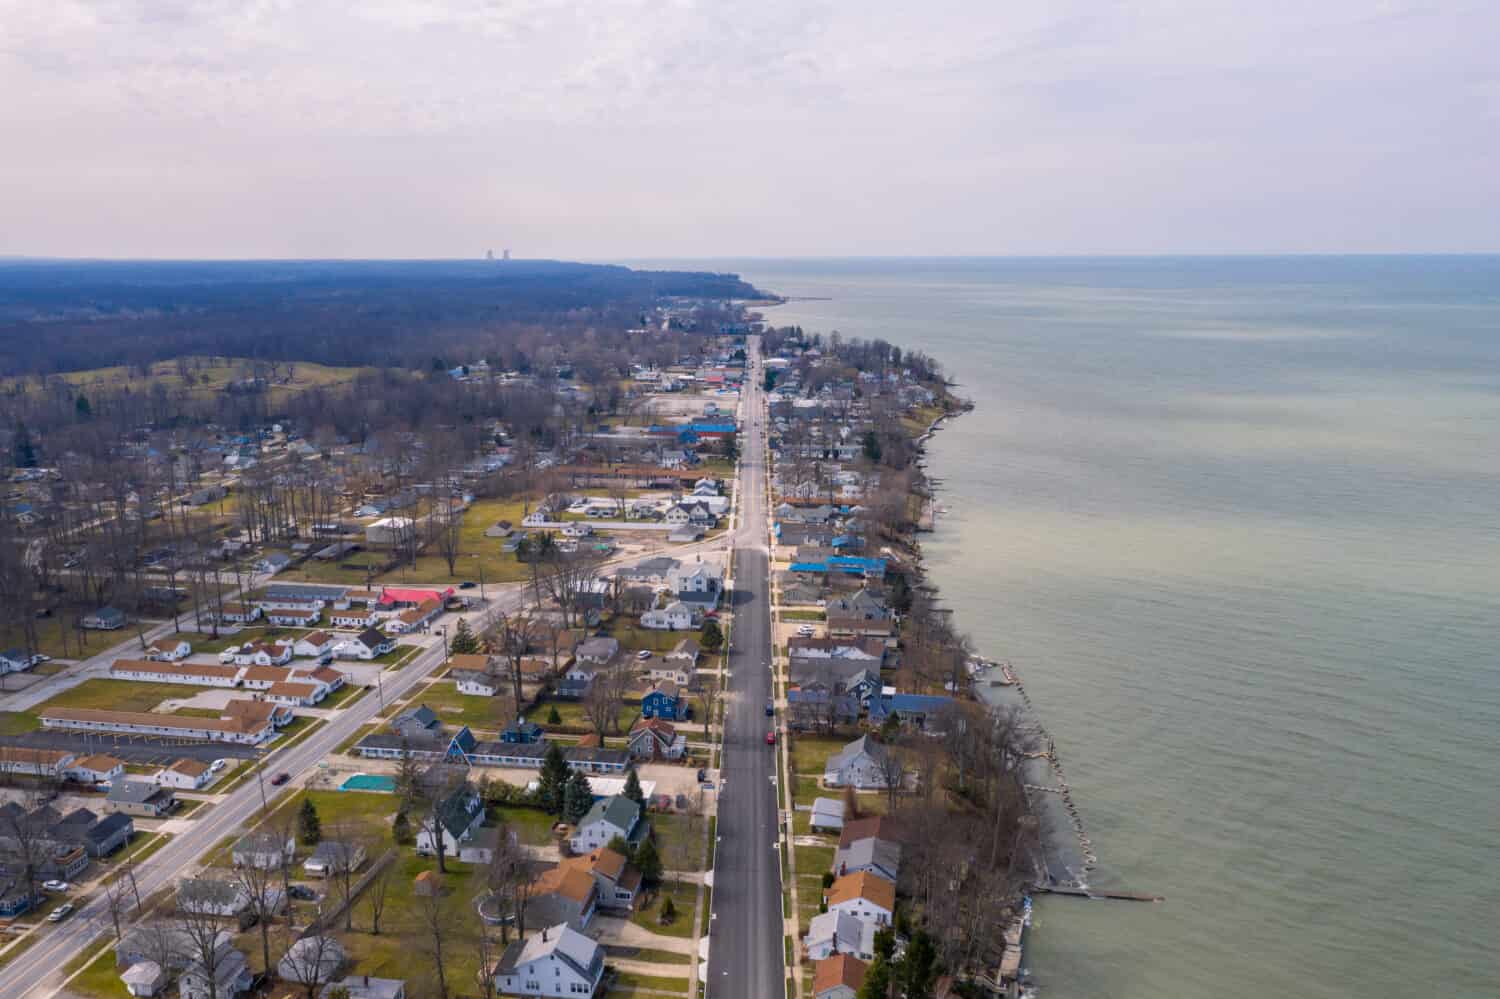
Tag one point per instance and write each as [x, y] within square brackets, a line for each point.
[69, 315]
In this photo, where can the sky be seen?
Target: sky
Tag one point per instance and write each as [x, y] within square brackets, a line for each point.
[607, 130]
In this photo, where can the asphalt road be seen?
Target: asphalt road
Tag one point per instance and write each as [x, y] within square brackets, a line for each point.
[745, 957]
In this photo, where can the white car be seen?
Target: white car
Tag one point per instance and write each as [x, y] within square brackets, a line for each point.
[60, 913]
[644, 654]
[55, 886]
[217, 765]
[806, 631]
[227, 656]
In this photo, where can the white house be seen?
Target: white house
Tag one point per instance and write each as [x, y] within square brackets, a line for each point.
[858, 765]
[266, 851]
[185, 775]
[263, 654]
[315, 644]
[459, 816]
[353, 617]
[676, 616]
[478, 683]
[96, 769]
[614, 816]
[558, 961]
[199, 674]
[827, 815]
[294, 618]
[865, 896]
[164, 650]
[368, 645]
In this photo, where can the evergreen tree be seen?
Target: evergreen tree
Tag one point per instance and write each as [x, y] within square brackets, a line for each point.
[82, 408]
[712, 637]
[401, 829]
[578, 797]
[618, 845]
[464, 641]
[23, 452]
[552, 785]
[872, 446]
[553, 718]
[668, 911]
[633, 788]
[309, 826]
[877, 983]
[918, 968]
[648, 861]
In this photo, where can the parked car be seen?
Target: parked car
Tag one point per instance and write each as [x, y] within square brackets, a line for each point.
[467, 584]
[227, 656]
[302, 893]
[281, 778]
[806, 631]
[770, 738]
[643, 654]
[217, 765]
[60, 913]
[55, 886]
[702, 775]
[770, 709]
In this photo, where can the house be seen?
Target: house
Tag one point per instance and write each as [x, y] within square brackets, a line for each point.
[521, 730]
[614, 816]
[458, 817]
[14, 661]
[288, 617]
[353, 617]
[294, 694]
[414, 619]
[652, 738]
[369, 644]
[315, 644]
[861, 614]
[864, 895]
[266, 851]
[388, 530]
[100, 768]
[830, 933]
[108, 834]
[872, 855]
[365, 987]
[664, 701]
[838, 977]
[563, 895]
[165, 650]
[558, 961]
[685, 653]
[860, 764]
[140, 798]
[231, 975]
[827, 815]
[618, 881]
[874, 826]
[928, 712]
[184, 775]
[234, 612]
[312, 959]
[209, 896]
[144, 978]
[651, 572]
[198, 674]
[277, 653]
[599, 649]
[272, 562]
[35, 762]
[675, 616]
[103, 619]
[416, 722]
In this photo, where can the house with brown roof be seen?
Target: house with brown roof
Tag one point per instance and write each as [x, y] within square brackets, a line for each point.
[165, 650]
[653, 738]
[294, 617]
[864, 896]
[838, 977]
[563, 894]
[315, 644]
[870, 827]
[294, 694]
[34, 762]
[96, 769]
[618, 881]
[414, 619]
[240, 721]
[200, 674]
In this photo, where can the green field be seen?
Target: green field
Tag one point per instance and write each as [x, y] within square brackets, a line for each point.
[18, 722]
[119, 695]
[462, 709]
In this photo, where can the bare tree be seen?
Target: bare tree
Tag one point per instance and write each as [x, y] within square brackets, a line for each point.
[509, 879]
[312, 962]
[892, 769]
[438, 926]
[511, 637]
[257, 883]
[376, 893]
[200, 926]
[601, 706]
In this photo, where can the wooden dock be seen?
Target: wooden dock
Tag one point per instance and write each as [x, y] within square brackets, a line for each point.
[1122, 896]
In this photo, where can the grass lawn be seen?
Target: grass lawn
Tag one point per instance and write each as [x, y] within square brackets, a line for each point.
[197, 712]
[359, 734]
[187, 806]
[141, 846]
[398, 951]
[680, 847]
[532, 825]
[359, 811]
[574, 718]
[658, 956]
[806, 790]
[397, 657]
[626, 984]
[56, 637]
[810, 752]
[813, 859]
[343, 697]
[120, 695]
[803, 615]
[18, 722]
[300, 728]
[100, 978]
[458, 709]
[631, 635]
[682, 926]
[206, 643]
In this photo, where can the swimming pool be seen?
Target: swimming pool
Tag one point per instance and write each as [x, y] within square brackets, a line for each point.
[368, 782]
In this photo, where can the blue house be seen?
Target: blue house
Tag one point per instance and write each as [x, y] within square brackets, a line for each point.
[921, 710]
[521, 730]
[664, 701]
[14, 901]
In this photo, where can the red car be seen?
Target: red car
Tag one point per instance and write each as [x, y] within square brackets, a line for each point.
[281, 778]
[770, 738]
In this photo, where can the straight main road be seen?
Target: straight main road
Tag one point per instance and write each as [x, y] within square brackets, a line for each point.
[745, 957]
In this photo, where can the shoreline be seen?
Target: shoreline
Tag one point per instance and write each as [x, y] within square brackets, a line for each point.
[1067, 857]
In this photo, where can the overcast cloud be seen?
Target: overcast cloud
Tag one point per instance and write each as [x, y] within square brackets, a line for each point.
[627, 129]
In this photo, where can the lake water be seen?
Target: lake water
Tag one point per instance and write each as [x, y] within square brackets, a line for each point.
[1235, 522]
